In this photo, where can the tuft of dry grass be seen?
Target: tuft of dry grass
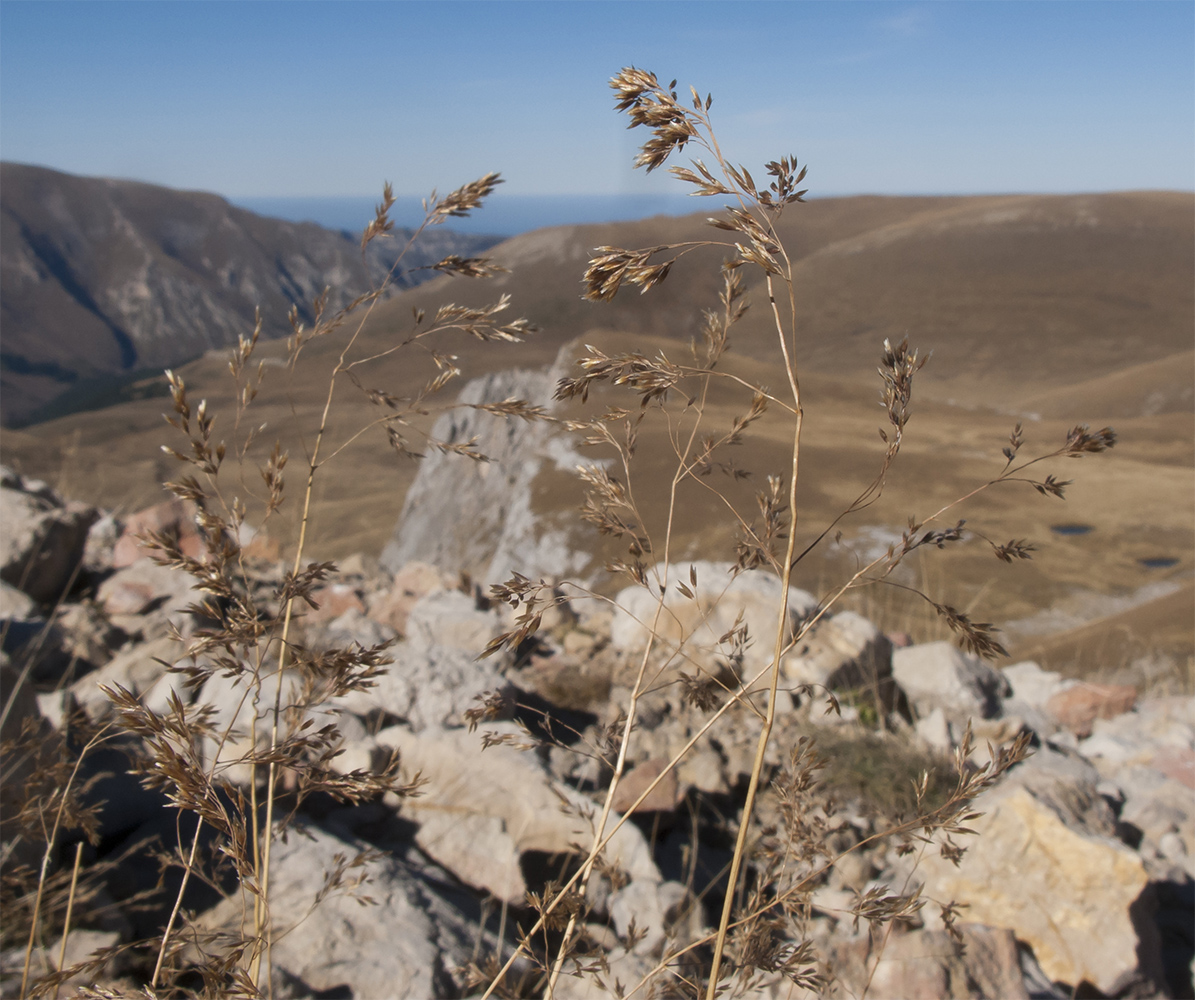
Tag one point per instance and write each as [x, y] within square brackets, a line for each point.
[243, 783]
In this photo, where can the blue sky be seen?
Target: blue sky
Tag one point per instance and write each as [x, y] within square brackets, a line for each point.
[296, 99]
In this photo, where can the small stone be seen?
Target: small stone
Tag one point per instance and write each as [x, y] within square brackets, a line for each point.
[1177, 763]
[1078, 707]
[663, 798]
[412, 582]
[934, 730]
[175, 517]
[333, 600]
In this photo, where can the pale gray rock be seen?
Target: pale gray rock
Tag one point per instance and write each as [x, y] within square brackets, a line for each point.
[695, 624]
[842, 653]
[81, 946]
[452, 619]
[427, 685]
[149, 600]
[934, 731]
[1032, 689]
[353, 626]
[1032, 685]
[939, 675]
[477, 517]
[101, 542]
[647, 904]
[625, 967]
[388, 948]
[481, 809]
[1165, 814]
[243, 718]
[89, 637]
[135, 668]
[15, 605]
[929, 965]
[41, 542]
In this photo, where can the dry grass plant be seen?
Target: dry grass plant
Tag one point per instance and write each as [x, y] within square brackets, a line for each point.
[250, 638]
[247, 636]
[761, 915]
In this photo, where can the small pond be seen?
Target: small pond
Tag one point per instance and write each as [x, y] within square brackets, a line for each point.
[1071, 529]
[1158, 562]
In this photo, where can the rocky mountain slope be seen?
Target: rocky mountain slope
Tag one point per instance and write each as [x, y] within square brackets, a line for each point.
[1048, 310]
[102, 280]
[1080, 882]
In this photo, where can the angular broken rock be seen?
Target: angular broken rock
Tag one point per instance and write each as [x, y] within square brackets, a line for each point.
[389, 947]
[939, 675]
[663, 798]
[15, 605]
[172, 517]
[930, 965]
[1041, 868]
[413, 581]
[334, 600]
[427, 685]
[451, 618]
[697, 623]
[1078, 707]
[41, 542]
[843, 653]
[145, 586]
[480, 810]
[137, 668]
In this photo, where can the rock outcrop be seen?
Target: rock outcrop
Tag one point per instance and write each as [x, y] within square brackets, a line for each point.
[463, 515]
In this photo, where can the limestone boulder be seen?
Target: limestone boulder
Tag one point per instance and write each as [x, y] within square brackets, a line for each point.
[42, 542]
[929, 965]
[137, 668]
[694, 625]
[451, 618]
[481, 810]
[15, 605]
[940, 675]
[146, 587]
[1077, 707]
[844, 653]
[392, 605]
[1046, 866]
[389, 947]
[427, 685]
[172, 517]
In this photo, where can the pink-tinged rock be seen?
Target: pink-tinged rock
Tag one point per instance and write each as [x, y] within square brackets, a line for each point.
[1177, 763]
[663, 797]
[171, 516]
[1078, 707]
[333, 600]
[260, 545]
[136, 589]
[413, 581]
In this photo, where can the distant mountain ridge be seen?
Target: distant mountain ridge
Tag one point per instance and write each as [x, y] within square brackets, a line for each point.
[101, 280]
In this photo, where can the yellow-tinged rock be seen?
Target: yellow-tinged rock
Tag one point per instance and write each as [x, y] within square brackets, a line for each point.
[1064, 892]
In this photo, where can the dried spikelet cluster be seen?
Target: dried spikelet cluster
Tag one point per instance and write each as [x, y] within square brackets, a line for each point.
[243, 782]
